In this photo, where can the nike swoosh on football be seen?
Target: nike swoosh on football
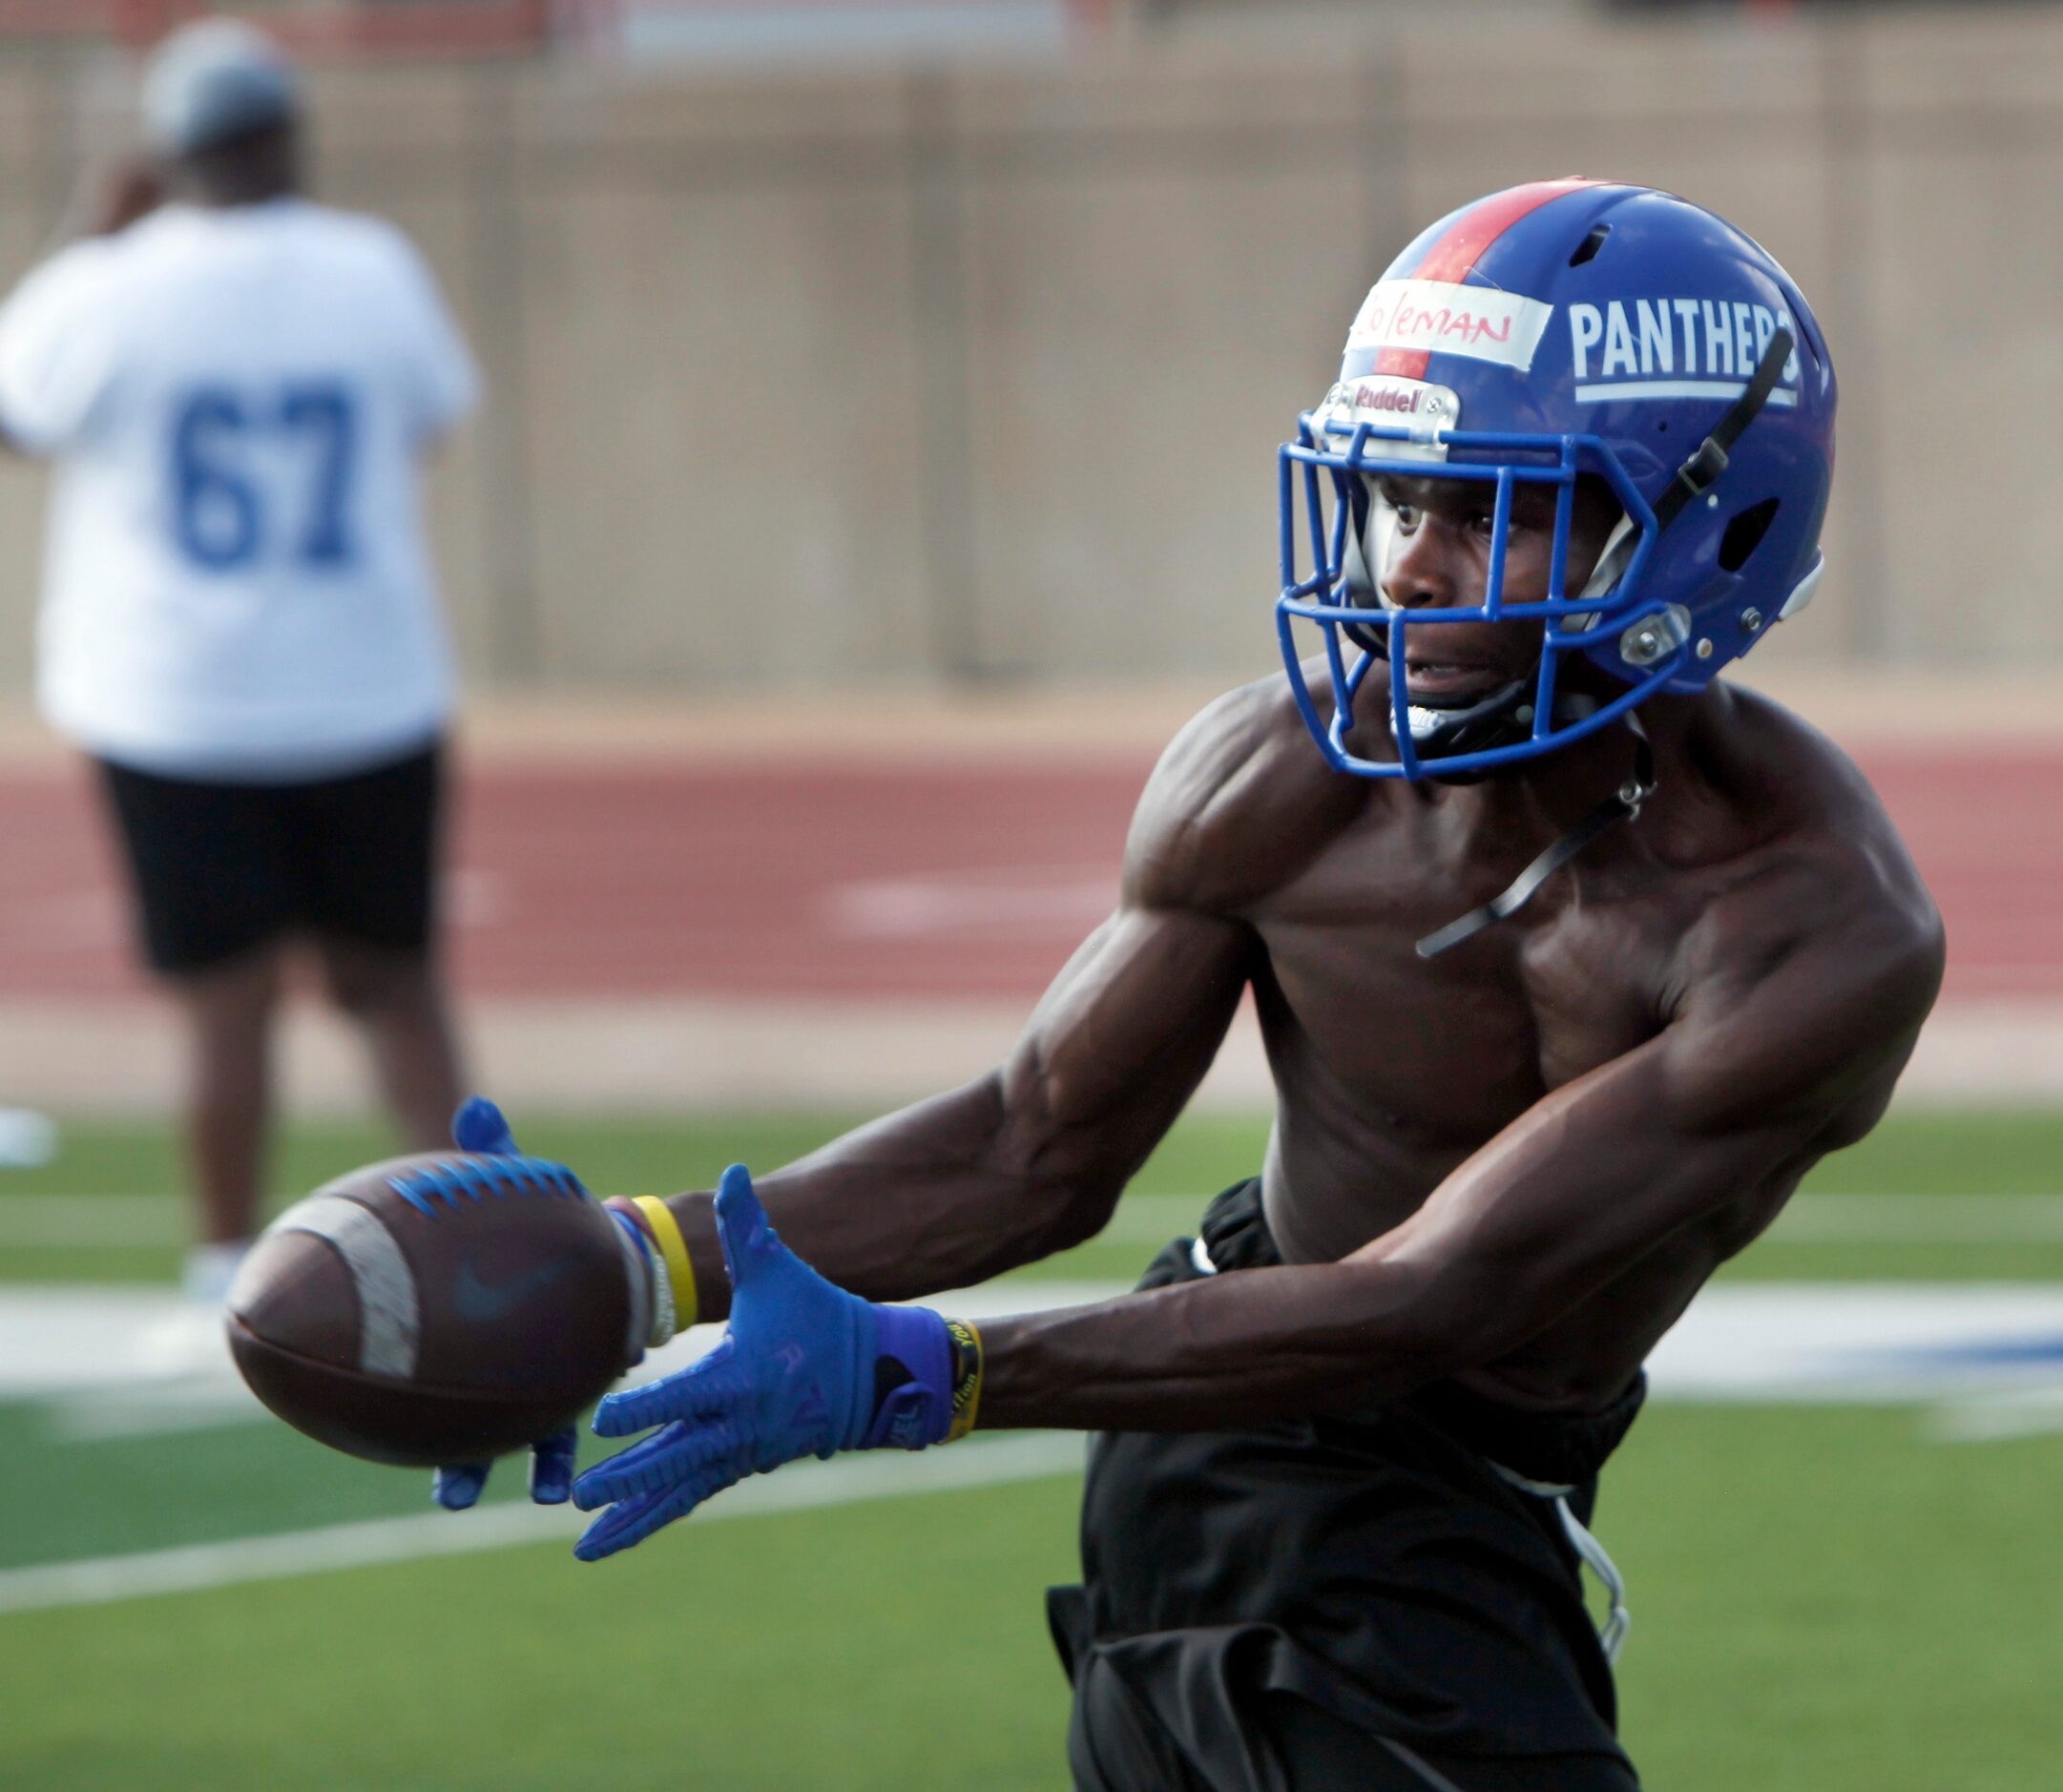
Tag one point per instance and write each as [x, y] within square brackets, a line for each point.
[483, 1303]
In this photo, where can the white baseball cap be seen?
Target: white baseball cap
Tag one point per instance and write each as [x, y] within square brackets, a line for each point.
[212, 80]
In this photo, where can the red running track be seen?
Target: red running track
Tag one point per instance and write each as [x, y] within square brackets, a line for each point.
[915, 882]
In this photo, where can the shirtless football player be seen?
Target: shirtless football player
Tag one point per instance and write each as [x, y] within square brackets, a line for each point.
[1570, 961]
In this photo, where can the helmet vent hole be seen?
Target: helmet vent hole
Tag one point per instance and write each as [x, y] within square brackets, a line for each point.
[1587, 249]
[1745, 533]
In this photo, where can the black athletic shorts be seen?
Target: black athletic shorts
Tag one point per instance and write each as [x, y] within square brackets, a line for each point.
[219, 869]
[1357, 1600]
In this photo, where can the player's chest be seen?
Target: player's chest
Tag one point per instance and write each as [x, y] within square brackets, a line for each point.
[1573, 982]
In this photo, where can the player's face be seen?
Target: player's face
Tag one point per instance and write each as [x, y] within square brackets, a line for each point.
[1439, 553]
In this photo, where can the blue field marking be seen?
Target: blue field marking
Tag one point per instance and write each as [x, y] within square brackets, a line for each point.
[477, 1176]
[2006, 1353]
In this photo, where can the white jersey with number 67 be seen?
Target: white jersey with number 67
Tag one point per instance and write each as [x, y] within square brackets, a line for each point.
[235, 581]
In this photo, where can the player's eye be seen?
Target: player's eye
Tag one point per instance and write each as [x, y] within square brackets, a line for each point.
[1408, 517]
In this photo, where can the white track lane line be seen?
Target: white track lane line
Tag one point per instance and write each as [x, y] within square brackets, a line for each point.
[92, 1221]
[801, 1487]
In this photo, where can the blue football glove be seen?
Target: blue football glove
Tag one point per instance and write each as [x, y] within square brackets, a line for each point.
[479, 1126]
[804, 1369]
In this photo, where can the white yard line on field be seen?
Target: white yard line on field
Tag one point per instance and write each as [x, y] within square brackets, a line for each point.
[196, 1566]
[1921, 1219]
[126, 1222]
[1985, 1360]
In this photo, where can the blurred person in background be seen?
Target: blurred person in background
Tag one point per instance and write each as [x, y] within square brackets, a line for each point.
[240, 624]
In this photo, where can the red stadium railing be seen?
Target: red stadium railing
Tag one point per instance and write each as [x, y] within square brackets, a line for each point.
[419, 27]
[372, 29]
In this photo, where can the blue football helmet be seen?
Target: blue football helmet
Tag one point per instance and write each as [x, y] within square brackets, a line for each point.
[1562, 331]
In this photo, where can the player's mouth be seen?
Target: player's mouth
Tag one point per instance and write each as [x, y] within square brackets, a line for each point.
[1451, 680]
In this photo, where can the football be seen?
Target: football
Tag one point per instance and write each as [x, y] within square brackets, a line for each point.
[436, 1310]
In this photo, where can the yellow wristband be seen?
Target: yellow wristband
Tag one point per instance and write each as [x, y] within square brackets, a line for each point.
[674, 1251]
[967, 1384]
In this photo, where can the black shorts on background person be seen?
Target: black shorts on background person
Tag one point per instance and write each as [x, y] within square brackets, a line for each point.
[219, 868]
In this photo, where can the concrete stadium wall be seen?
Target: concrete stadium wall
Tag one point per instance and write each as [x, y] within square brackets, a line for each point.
[901, 375]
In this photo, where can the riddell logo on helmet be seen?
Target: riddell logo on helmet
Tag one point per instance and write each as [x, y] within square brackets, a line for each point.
[1400, 411]
[1398, 397]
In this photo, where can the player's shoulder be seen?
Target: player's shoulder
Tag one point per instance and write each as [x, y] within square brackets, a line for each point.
[1828, 875]
[1240, 801]
[182, 245]
[107, 269]
[371, 270]
[1823, 811]
[73, 273]
[72, 299]
[376, 243]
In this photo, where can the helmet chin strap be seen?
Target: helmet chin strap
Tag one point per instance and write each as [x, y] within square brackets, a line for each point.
[1623, 805]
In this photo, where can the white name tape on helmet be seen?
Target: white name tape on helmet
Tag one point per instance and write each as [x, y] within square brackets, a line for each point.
[1440, 317]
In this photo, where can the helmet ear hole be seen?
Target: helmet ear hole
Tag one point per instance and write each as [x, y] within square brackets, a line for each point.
[1587, 249]
[1745, 534]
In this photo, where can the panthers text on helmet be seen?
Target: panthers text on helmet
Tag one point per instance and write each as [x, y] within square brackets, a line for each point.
[1695, 338]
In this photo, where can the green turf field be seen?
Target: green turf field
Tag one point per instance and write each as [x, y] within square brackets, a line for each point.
[1822, 1595]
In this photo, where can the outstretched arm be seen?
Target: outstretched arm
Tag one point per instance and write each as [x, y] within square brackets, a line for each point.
[1790, 1054]
[1032, 1157]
